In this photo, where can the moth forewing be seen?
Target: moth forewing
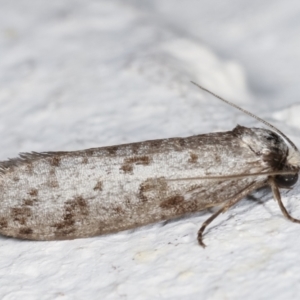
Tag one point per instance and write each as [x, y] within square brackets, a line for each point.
[67, 195]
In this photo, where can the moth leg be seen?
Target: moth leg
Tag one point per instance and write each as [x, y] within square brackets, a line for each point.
[229, 204]
[211, 218]
[205, 224]
[277, 196]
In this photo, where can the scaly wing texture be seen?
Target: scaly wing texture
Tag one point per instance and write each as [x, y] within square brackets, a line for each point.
[65, 195]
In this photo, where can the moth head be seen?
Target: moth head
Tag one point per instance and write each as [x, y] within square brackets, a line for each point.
[278, 153]
[290, 161]
[274, 152]
[266, 144]
[282, 157]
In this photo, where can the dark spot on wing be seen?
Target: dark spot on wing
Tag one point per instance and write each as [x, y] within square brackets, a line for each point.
[217, 158]
[90, 152]
[129, 162]
[135, 147]
[25, 231]
[33, 192]
[152, 188]
[182, 142]
[78, 202]
[29, 202]
[65, 224]
[155, 144]
[179, 205]
[118, 210]
[147, 186]
[21, 214]
[172, 201]
[144, 188]
[3, 223]
[75, 211]
[55, 161]
[188, 207]
[112, 150]
[138, 160]
[193, 158]
[98, 186]
[127, 168]
[16, 178]
[85, 160]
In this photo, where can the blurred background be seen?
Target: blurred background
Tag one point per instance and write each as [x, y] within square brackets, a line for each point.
[86, 73]
[262, 36]
[54, 54]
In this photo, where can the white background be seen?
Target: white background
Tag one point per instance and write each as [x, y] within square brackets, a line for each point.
[87, 73]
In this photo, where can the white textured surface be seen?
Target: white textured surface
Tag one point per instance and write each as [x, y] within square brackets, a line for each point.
[80, 74]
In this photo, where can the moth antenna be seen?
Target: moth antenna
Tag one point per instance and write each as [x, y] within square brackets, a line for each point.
[247, 113]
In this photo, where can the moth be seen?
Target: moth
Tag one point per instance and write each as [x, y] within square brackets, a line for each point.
[68, 195]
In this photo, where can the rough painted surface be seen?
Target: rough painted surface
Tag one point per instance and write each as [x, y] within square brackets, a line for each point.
[83, 74]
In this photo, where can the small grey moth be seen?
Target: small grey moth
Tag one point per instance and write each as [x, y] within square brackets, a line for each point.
[68, 195]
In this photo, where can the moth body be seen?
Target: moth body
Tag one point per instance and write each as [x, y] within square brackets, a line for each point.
[67, 195]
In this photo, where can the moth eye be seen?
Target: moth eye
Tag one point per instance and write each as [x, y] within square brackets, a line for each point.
[286, 180]
[272, 136]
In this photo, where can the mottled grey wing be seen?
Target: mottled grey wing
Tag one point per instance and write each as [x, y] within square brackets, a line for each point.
[66, 195]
